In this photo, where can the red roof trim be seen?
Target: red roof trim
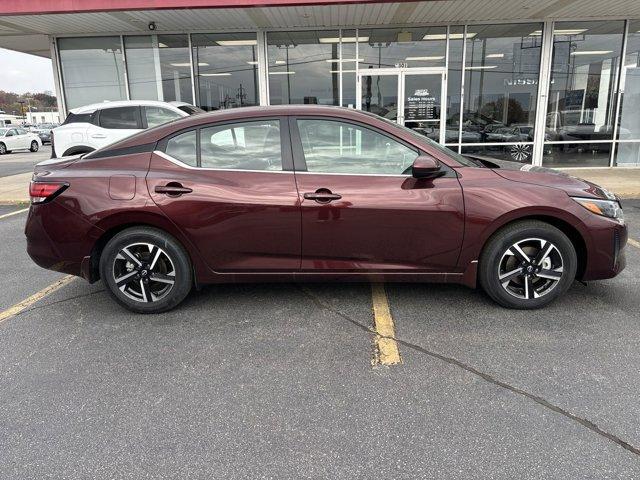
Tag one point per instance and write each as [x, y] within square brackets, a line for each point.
[39, 7]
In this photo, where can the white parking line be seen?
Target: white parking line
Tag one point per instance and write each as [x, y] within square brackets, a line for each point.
[14, 213]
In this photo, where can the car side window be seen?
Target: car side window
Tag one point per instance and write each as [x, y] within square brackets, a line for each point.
[183, 147]
[20, 131]
[331, 146]
[157, 116]
[120, 118]
[242, 146]
[10, 133]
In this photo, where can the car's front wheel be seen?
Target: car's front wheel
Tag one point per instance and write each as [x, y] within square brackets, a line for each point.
[34, 146]
[146, 270]
[3, 148]
[527, 264]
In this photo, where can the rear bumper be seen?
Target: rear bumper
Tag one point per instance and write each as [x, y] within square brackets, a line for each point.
[606, 258]
[59, 240]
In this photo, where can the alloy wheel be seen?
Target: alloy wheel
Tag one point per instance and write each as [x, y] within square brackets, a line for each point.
[34, 146]
[520, 152]
[3, 149]
[530, 268]
[144, 272]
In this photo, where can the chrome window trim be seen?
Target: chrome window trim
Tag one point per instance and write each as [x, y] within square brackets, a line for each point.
[356, 174]
[189, 167]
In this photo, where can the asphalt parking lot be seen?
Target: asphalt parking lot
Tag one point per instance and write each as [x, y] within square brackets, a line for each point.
[22, 161]
[277, 381]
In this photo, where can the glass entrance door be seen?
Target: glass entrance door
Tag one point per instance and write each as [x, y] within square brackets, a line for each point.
[409, 96]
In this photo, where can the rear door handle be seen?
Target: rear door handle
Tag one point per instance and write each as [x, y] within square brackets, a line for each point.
[172, 189]
[322, 195]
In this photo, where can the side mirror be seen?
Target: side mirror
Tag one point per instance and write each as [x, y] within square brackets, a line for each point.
[426, 166]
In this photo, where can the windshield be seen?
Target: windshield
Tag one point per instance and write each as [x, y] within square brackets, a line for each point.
[462, 160]
[3, 131]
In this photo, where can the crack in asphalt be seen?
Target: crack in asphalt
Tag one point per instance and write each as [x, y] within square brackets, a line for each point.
[485, 376]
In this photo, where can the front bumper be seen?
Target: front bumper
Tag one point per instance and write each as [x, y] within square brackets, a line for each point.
[606, 258]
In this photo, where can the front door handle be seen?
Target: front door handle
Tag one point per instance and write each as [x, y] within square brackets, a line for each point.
[98, 135]
[322, 195]
[172, 189]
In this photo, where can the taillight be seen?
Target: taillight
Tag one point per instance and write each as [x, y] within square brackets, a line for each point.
[41, 192]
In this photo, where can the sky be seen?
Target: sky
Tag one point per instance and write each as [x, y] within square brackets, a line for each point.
[23, 73]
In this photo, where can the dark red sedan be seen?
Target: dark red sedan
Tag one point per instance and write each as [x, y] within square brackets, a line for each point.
[314, 193]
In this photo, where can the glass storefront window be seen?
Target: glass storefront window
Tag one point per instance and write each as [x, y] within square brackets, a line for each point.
[627, 154]
[577, 154]
[402, 47]
[584, 74]
[175, 68]
[226, 67]
[629, 124]
[92, 70]
[349, 68]
[454, 85]
[502, 71]
[141, 67]
[303, 67]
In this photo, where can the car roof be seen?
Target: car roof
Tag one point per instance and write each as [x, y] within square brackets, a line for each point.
[119, 103]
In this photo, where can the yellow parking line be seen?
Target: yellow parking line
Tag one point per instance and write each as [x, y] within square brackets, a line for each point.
[633, 242]
[26, 303]
[387, 352]
[13, 213]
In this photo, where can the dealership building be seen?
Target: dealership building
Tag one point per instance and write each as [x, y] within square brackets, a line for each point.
[546, 82]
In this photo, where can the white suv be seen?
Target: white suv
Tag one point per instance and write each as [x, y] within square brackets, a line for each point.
[94, 126]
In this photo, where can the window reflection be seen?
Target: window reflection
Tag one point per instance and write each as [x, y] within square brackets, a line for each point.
[141, 67]
[629, 127]
[92, 70]
[501, 85]
[226, 67]
[175, 68]
[402, 47]
[583, 80]
[303, 67]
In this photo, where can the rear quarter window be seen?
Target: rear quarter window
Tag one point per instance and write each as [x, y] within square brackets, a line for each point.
[79, 118]
[120, 118]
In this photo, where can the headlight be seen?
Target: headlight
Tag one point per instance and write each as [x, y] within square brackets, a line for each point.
[605, 208]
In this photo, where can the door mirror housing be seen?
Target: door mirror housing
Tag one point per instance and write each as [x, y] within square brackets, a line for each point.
[425, 166]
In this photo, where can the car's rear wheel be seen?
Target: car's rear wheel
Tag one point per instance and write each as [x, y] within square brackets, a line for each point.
[146, 270]
[527, 264]
[3, 148]
[34, 146]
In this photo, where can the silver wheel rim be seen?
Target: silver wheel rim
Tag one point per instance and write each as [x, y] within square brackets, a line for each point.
[520, 153]
[34, 146]
[3, 149]
[530, 268]
[143, 272]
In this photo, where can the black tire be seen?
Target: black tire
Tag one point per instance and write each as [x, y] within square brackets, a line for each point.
[34, 146]
[171, 264]
[3, 148]
[501, 260]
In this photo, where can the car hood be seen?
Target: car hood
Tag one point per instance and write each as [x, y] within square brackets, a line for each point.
[548, 177]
